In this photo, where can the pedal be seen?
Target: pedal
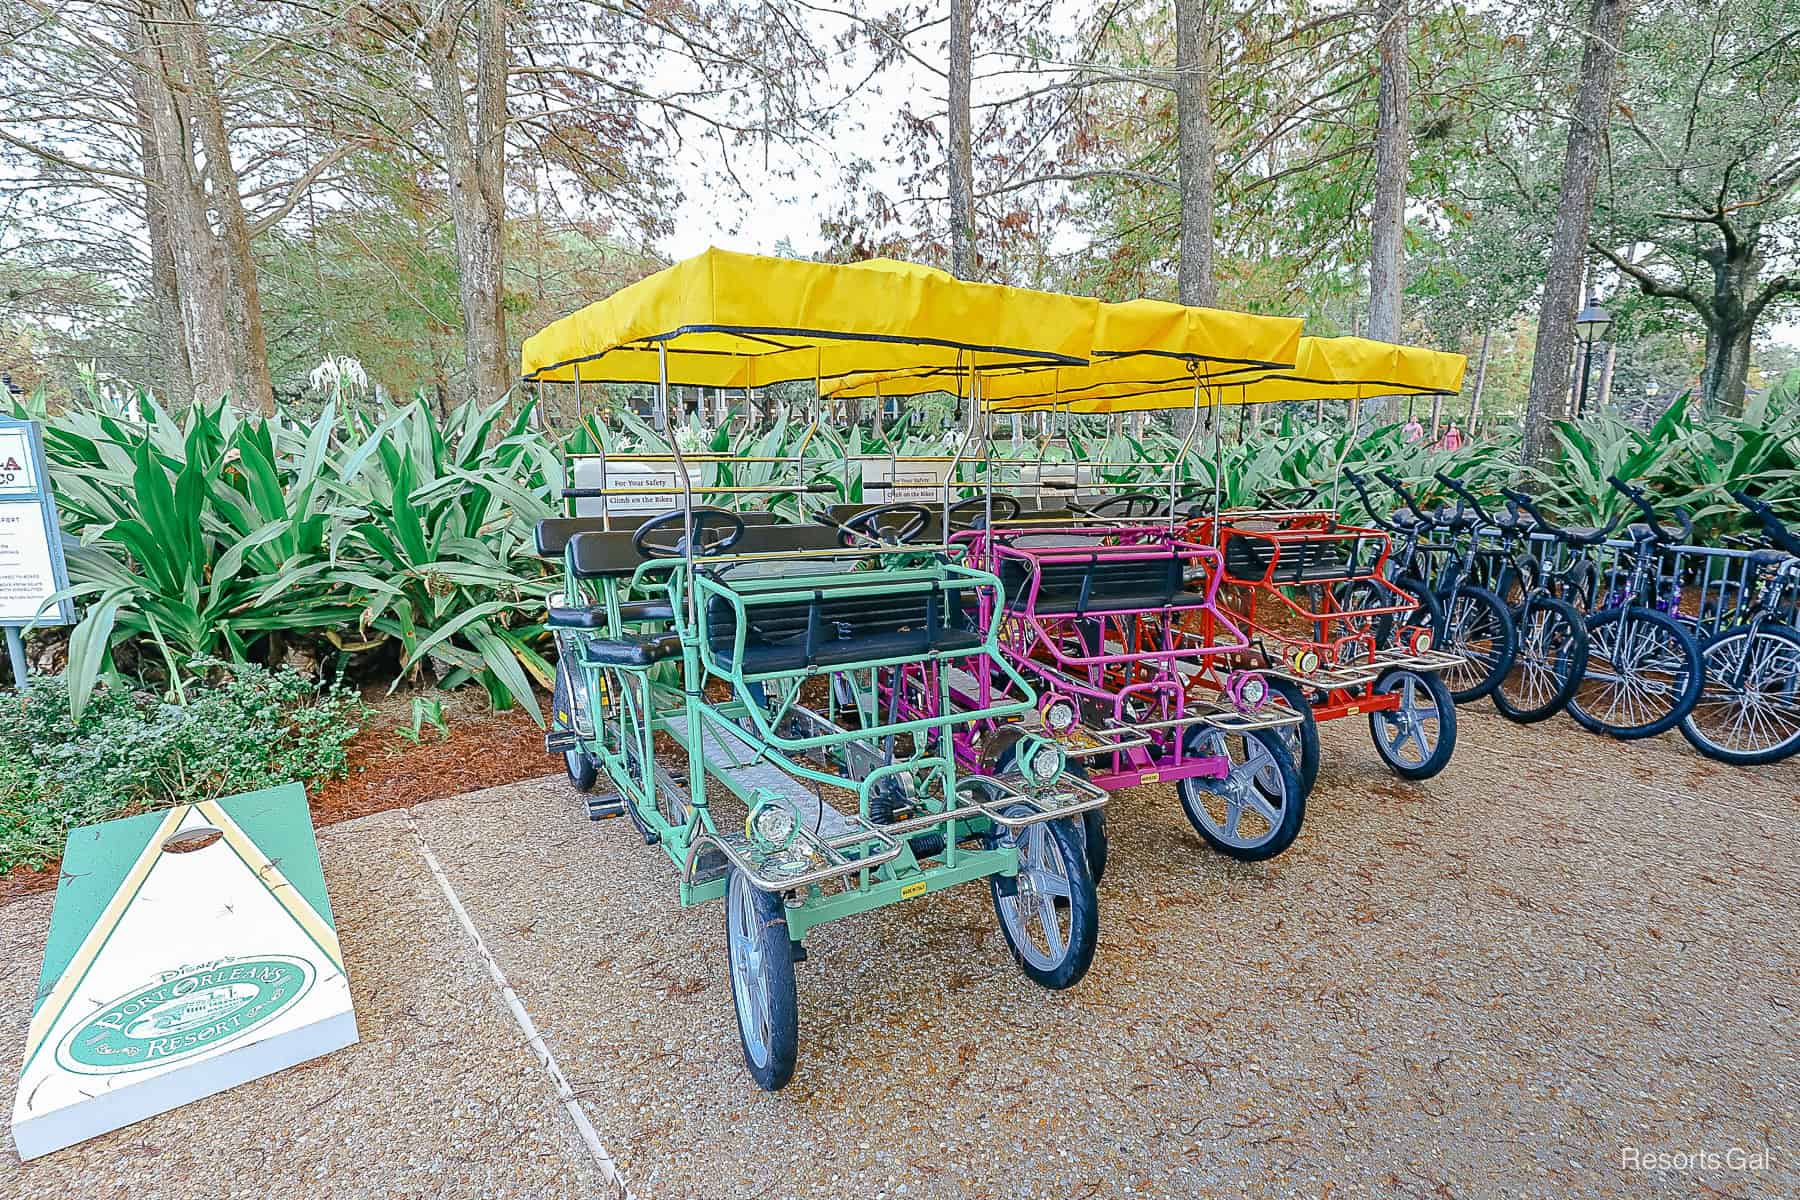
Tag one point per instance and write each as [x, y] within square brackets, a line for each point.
[556, 741]
[799, 952]
[602, 808]
[1006, 885]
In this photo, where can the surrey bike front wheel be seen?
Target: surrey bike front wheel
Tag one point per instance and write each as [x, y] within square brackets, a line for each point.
[762, 981]
[1049, 912]
[1417, 736]
[1254, 812]
[1644, 673]
[1748, 712]
[1548, 664]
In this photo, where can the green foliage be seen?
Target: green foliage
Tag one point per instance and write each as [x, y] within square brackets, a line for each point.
[239, 728]
[220, 535]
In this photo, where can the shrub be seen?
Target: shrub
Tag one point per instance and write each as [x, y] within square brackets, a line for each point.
[235, 727]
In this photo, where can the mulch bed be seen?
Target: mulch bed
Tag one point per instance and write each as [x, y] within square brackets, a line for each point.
[389, 771]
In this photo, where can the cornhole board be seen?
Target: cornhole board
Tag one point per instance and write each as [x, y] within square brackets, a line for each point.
[190, 950]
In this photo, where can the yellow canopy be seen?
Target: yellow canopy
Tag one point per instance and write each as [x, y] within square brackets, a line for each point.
[745, 320]
[1342, 368]
[1137, 344]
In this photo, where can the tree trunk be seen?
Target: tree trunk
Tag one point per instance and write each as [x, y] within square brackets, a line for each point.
[1722, 380]
[1487, 337]
[1194, 139]
[962, 169]
[243, 297]
[475, 168]
[199, 269]
[1568, 242]
[1388, 212]
[1387, 217]
[168, 339]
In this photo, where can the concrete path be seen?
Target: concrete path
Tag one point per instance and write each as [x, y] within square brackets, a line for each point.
[1560, 957]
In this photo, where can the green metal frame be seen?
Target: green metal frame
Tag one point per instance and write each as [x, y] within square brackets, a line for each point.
[619, 734]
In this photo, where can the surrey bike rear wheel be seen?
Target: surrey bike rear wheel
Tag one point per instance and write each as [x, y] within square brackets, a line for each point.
[1548, 663]
[1644, 674]
[1748, 712]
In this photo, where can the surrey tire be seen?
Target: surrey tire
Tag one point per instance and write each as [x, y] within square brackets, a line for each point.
[1548, 663]
[582, 772]
[1416, 739]
[1644, 673]
[1093, 821]
[1748, 712]
[1263, 788]
[762, 981]
[1048, 912]
[1302, 740]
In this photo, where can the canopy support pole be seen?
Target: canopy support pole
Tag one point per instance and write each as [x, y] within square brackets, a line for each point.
[687, 485]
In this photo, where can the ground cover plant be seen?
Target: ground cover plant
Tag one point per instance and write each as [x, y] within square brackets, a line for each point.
[226, 728]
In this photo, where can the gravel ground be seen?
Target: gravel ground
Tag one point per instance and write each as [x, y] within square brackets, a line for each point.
[1495, 984]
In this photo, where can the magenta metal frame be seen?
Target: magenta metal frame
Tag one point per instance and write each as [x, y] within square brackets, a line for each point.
[1128, 660]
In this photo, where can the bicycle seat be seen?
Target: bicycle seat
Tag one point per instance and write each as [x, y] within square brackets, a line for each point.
[1402, 519]
[1769, 557]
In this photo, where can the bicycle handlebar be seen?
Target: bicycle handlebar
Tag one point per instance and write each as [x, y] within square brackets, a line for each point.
[1559, 532]
[1406, 497]
[1773, 526]
[1463, 493]
[1657, 529]
[1356, 481]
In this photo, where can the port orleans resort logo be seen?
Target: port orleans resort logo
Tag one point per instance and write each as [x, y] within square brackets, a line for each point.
[184, 1014]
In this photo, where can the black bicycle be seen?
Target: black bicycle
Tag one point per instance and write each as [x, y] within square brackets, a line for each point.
[1644, 669]
[1434, 560]
[1748, 711]
[1551, 651]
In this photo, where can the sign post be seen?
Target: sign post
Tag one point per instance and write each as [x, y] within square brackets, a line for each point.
[31, 557]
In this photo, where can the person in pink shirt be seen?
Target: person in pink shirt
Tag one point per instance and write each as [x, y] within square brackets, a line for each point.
[1453, 438]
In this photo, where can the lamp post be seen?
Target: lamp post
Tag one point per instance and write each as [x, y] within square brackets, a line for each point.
[1591, 325]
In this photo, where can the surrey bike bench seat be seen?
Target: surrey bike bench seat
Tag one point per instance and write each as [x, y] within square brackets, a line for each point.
[798, 617]
[1254, 556]
[1066, 582]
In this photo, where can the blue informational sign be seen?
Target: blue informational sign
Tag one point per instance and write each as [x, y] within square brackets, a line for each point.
[31, 557]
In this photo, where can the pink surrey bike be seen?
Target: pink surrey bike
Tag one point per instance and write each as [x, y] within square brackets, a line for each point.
[1100, 616]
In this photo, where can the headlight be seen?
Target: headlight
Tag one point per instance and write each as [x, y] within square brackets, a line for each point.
[1306, 662]
[1041, 762]
[1248, 691]
[772, 824]
[1058, 715]
[1421, 641]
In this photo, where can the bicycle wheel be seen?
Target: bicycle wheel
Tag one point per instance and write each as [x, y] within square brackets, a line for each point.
[1547, 667]
[1749, 707]
[1478, 628]
[1644, 673]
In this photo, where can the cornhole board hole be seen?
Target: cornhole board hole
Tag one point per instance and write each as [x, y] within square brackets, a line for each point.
[190, 950]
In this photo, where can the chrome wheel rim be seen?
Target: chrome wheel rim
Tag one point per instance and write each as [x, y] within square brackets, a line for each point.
[1636, 672]
[1036, 916]
[1409, 733]
[1751, 700]
[749, 969]
[1541, 665]
[1245, 809]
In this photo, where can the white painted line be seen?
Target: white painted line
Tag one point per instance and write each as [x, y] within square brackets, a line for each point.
[609, 1169]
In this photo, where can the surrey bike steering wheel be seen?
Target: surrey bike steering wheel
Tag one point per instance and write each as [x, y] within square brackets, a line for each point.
[977, 506]
[1127, 505]
[714, 530]
[868, 523]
